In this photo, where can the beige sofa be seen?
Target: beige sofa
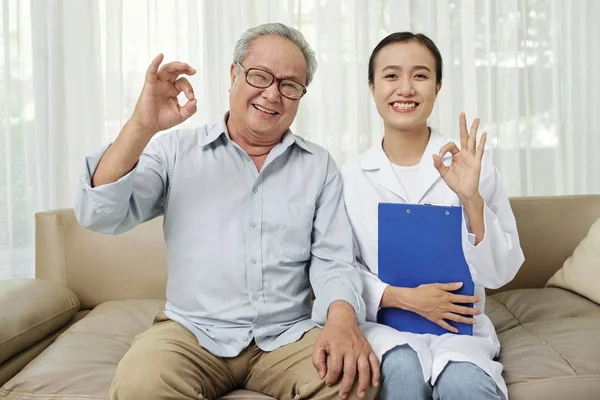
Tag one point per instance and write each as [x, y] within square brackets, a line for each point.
[63, 334]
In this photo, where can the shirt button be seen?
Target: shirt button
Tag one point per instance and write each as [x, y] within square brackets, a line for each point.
[256, 297]
[253, 260]
[254, 190]
[253, 225]
[256, 325]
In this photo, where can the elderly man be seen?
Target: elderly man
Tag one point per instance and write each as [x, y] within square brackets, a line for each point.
[254, 223]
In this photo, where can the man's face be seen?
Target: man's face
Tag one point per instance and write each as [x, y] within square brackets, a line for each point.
[265, 112]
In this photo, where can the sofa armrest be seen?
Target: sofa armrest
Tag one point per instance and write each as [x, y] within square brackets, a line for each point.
[31, 310]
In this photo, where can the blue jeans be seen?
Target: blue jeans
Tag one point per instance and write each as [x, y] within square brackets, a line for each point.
[402, 378]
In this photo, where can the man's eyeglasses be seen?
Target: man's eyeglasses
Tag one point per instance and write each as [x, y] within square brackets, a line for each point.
[261, 79]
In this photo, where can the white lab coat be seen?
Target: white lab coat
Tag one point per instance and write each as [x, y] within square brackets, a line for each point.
[370, 179]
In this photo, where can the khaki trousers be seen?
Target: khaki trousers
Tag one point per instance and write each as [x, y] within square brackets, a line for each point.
[167, 362]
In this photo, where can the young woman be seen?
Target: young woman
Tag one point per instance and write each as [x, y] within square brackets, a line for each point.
[417, 164]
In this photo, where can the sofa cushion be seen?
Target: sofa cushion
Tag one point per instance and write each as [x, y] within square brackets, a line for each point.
[515, 307]
[82, 362]
[31, 310]
[581, 272]
[549, 341]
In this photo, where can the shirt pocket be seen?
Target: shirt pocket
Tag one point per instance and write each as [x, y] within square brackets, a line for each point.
[297, 232]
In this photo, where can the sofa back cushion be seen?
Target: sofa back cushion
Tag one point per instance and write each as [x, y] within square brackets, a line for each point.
[100, 267]
[132, 265]
[550, 228]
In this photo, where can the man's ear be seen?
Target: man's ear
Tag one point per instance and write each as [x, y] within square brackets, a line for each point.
[232, 73]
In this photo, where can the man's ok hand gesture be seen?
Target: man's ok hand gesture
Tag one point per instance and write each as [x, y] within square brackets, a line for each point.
[157, 108]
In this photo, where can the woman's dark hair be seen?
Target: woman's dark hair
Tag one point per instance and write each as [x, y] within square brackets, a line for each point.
[401, 37]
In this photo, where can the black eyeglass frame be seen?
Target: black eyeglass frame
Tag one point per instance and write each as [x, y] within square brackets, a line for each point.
[274, 79]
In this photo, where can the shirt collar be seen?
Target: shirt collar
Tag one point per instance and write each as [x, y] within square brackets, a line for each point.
[300, 142]
[217, 130]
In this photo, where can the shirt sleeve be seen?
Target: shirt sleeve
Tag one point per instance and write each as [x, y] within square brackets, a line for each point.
[333, 273]
[135, 198]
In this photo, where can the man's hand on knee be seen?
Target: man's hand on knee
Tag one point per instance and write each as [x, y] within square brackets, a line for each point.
[342, 349]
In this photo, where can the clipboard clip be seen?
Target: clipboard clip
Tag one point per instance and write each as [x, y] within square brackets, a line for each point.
[438, 205]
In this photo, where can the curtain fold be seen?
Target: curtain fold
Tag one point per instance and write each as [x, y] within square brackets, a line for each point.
[71, 71]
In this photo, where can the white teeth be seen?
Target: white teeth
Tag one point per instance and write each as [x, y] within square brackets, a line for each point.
[264, 109]
[404, 105]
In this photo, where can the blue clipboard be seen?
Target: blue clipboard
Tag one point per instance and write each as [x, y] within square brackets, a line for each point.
[419, 244]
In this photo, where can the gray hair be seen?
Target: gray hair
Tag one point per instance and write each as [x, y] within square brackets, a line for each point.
[242, 47]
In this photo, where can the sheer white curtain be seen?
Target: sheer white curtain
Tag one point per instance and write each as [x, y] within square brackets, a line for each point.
[71, 71]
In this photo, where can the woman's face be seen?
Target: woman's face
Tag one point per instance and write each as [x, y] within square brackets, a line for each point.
[404, 85]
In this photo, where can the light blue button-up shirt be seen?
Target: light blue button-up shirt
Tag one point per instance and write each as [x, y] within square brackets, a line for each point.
[244, 247]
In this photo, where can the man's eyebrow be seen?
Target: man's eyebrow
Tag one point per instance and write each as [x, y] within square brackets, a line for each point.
[293, 78]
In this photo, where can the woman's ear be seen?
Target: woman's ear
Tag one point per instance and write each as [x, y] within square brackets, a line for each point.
[372, 89]
[438, 87]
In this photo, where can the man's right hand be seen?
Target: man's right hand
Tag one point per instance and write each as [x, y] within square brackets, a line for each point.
[157, 107]
[435, 302]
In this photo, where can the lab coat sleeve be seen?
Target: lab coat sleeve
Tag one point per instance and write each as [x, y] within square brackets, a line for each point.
[373, 287]
[497, 258]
